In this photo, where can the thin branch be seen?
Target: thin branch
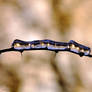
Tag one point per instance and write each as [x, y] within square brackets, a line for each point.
[71, 46]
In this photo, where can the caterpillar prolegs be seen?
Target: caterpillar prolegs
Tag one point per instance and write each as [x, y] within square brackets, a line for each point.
[71, 46]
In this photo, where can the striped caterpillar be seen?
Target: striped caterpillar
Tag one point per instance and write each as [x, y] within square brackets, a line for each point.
[46, 44]
[39, 45]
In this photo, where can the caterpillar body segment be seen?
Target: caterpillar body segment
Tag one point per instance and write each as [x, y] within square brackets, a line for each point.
[39, 44]
[20, 45]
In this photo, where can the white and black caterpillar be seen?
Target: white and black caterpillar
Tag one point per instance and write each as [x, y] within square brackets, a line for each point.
[71, 46]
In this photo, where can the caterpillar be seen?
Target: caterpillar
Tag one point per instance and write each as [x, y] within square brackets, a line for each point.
[51, 45]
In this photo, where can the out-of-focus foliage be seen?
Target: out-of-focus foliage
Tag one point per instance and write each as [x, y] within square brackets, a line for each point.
[45, 71]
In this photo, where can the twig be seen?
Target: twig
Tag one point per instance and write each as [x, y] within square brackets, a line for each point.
[71, 46]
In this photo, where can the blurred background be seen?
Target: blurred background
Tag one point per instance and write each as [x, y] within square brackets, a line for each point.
[45, 71]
